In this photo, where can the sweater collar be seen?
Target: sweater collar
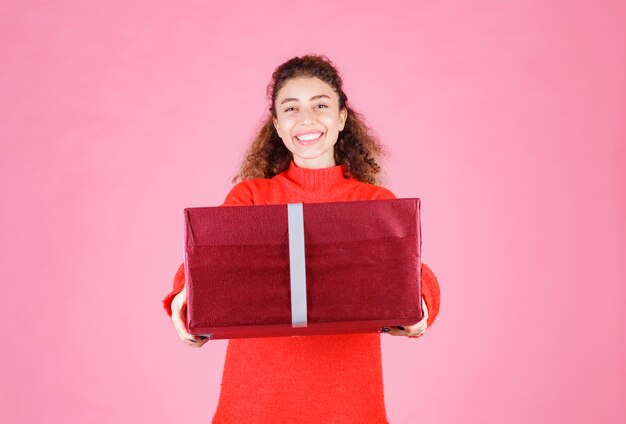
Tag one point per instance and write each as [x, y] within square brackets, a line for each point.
[315, 179]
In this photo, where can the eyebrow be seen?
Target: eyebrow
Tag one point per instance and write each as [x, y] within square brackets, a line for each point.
[291, 99]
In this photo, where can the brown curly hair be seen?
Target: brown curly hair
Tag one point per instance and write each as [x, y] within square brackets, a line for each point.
[357, 148]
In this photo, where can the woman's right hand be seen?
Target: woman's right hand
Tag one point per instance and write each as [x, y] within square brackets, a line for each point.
[179, 317]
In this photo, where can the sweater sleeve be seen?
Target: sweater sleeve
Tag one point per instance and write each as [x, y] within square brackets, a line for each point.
[240, 195]
[430, 293]
[179, 284]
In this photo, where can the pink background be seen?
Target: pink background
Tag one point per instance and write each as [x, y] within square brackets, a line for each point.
[505, 118]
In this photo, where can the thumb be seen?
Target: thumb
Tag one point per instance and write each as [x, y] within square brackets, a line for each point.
[424, 308]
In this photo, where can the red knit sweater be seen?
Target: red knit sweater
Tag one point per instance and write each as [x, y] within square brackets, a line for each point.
[312, 379]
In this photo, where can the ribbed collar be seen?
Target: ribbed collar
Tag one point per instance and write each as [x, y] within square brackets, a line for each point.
[315, 179]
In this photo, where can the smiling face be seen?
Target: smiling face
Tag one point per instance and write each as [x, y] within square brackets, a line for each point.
[308, 121]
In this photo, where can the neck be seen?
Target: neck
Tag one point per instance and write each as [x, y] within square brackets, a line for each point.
[315, 163]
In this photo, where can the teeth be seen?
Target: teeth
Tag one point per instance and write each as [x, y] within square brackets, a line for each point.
[306, 137]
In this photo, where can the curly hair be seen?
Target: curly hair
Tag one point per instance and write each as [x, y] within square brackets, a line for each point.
[357, 148]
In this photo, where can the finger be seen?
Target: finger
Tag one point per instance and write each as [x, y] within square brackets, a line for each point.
[200, 342]
[417, 332]
[423, 321]
[395, 331]
[179, 319]
[415, 336]
[190, 339]
[418, 328]
[184, 335]
[196, 341]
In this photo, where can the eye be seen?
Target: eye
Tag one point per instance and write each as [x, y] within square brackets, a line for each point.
[322, 105]
[289, 109]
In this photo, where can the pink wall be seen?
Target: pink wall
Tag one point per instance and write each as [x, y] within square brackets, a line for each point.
[506, 118]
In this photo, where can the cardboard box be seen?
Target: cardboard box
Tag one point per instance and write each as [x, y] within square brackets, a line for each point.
[354, 268]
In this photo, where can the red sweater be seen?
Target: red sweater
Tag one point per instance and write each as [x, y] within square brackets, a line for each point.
[312, 379]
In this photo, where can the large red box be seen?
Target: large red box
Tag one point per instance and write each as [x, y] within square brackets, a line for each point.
[362, 262]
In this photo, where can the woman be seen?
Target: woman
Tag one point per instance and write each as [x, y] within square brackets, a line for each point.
[313, 147]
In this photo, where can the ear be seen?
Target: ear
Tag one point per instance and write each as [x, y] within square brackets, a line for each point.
[344, 117]
[275, 122]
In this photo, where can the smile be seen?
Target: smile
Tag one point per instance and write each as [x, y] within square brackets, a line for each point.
[309, 138]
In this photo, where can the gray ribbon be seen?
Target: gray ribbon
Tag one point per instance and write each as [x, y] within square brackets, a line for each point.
[297, 269]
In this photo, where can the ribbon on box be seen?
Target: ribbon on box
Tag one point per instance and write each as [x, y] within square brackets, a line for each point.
[297, 266]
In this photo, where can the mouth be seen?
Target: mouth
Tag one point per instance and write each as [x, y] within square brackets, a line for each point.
[309, 138]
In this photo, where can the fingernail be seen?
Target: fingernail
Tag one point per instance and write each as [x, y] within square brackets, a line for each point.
[192, 341]
[385, 330]
[400, 327]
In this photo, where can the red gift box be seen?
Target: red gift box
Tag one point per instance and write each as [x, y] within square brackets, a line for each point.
[354, 268]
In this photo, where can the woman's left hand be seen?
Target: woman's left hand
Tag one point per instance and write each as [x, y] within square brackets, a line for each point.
[411, 330]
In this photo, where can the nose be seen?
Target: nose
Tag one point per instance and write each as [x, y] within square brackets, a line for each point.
[307, 116]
